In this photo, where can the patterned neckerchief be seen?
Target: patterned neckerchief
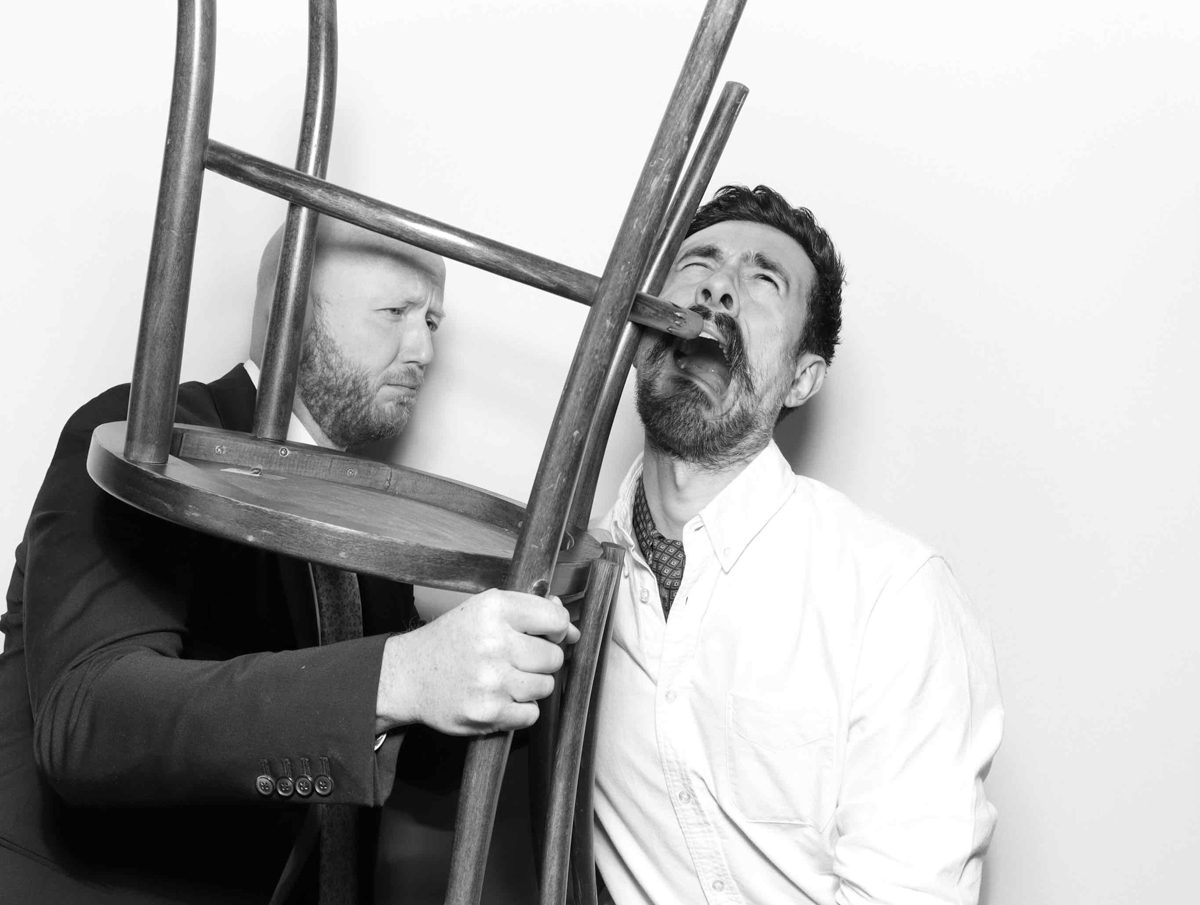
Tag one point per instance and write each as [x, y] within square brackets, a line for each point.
[664, 555]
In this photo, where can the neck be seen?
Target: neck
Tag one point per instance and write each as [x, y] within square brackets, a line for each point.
[676, 491]
[298, 407]
[311, 425]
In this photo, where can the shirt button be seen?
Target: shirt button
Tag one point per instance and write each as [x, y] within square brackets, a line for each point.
[685, 796]
[670, 696]
[717, 885]
[304, 786]
[645, 595]
[265, 784]
[323, 785]
[285, 786]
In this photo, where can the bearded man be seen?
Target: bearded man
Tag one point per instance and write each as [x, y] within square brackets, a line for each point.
[166, 720]
[799, 704]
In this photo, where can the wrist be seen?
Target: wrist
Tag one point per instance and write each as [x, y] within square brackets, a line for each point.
[396, 701]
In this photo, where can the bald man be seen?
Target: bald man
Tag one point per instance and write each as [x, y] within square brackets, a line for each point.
[166, 719]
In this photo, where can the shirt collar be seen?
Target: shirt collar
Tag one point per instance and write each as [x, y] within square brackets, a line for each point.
[735, 516]
[297, 432]
[740, 511]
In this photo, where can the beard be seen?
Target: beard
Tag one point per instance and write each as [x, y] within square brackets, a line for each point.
[681, 419]
[341, 396]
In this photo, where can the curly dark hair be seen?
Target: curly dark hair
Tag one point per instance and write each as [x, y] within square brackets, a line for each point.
[765, 205]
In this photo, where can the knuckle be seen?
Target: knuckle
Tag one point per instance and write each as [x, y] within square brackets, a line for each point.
[488, 679]
[482, 711]
[490, 646]
[527, 715]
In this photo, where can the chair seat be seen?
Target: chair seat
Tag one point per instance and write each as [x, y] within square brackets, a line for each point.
[332, 507]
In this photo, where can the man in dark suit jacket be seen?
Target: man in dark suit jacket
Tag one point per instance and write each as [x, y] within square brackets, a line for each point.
[165, 718]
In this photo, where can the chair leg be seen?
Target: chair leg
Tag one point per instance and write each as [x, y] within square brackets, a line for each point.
[679, 217]
[550, 498]
[281, 356]
[155, 383]
[578, 697]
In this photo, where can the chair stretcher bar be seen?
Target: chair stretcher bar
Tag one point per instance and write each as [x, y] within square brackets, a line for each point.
[439, 238]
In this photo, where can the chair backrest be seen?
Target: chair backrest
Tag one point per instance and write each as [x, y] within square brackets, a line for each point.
[646, 243]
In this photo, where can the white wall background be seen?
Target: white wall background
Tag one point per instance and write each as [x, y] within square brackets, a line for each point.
[1014, 189]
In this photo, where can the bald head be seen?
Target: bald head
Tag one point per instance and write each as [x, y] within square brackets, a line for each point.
[374, 304]
[340, 249]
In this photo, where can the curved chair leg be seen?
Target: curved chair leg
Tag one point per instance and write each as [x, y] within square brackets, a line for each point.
[550, 500]
[576, 710]
[583, 889]
[679, 217]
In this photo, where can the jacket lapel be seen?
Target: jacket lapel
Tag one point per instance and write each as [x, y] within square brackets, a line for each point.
[234, 397]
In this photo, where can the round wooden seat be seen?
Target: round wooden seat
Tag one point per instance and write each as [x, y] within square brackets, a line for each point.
[331, 507]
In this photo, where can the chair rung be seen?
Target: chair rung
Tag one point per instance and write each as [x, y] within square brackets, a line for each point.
[440, 238]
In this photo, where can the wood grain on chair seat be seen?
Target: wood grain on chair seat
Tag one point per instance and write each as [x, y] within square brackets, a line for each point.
[330, 507]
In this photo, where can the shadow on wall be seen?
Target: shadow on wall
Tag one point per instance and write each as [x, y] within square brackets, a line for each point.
[797, 433]
[985, 887]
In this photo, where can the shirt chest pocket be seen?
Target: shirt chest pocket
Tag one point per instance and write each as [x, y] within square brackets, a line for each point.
[779, 762]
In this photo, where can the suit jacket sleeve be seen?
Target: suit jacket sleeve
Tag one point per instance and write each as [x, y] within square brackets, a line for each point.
[123, 712]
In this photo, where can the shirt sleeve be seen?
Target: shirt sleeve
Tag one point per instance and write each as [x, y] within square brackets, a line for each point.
[925, 722]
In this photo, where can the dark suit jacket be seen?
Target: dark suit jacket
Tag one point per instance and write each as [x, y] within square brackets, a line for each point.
[151, 674]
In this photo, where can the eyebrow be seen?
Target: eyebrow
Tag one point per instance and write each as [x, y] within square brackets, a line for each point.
[709, 252]
[769, 264]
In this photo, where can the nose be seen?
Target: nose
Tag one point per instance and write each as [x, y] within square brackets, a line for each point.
[718, 291]
[418, 346]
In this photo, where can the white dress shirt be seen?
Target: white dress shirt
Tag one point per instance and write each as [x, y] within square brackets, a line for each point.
[812, 724]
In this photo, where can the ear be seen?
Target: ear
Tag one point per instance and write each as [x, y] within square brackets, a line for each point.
[807, 380]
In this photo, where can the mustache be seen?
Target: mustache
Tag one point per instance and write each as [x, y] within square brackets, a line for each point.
[409, 375]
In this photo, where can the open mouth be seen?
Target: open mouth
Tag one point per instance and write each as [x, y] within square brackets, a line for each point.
[705, 358]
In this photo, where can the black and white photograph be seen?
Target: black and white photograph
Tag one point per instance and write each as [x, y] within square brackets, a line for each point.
[673, 452]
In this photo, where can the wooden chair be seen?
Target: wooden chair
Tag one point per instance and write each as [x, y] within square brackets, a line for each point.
[400, 523]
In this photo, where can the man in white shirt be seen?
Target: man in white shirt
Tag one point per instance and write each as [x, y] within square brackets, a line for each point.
[800, 704]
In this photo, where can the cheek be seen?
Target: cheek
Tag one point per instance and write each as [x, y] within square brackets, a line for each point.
[680, 289]
[375, 348]
[771, 360]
